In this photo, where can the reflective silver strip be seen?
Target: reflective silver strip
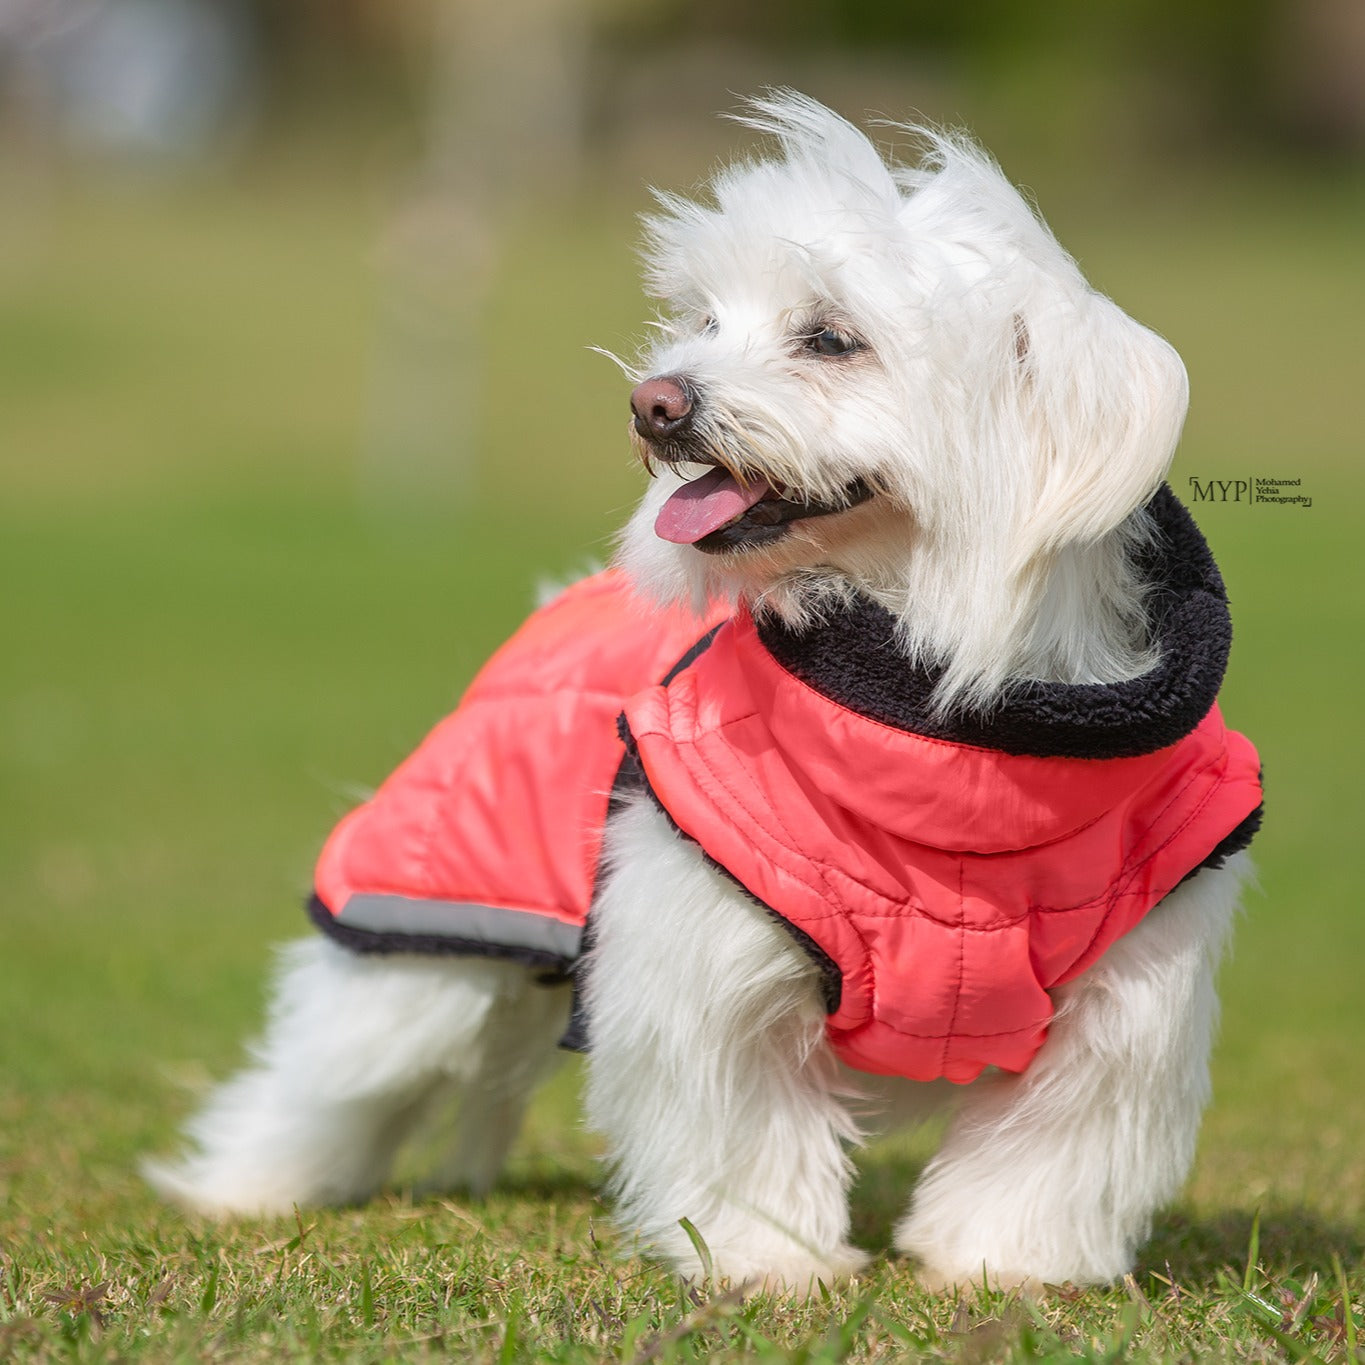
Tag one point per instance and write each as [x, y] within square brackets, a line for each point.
[458, 919]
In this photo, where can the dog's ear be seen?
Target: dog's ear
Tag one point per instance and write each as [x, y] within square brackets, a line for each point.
[1102, 401]
[1093, 402]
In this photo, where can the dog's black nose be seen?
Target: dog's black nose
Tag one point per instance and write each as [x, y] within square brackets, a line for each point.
[663, 408]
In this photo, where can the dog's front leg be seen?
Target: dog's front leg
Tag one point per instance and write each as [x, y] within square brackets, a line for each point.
[1054, 1175]
[709, 1070]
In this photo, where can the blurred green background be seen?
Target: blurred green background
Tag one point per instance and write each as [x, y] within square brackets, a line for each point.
[297, 407]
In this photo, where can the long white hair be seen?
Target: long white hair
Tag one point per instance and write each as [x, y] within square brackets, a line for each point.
[1014, 420]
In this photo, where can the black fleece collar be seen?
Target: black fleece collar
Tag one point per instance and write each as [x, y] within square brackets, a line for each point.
[853, 660]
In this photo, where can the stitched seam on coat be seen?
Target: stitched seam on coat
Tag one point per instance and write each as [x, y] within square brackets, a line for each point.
[1125, 875]
[789, 843]
[790, 847]
[834, 910]
[961, 961]
[942, 1037]
[1128, 891]
[898, 909]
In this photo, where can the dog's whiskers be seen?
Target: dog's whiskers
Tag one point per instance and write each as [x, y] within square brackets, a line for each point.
[632, 372]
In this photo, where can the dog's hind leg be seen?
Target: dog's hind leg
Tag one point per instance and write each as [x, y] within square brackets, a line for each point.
[517, 1047]
[354, 1048]
[709, 1071]
[1054, 1175]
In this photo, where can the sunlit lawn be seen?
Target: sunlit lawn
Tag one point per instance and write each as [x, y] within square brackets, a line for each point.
[213, 643]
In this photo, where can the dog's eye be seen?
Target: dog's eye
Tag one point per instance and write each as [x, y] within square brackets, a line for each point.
[707, 326]
[831, 342]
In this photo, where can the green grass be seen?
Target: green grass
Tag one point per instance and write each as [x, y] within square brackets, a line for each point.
[212, 646]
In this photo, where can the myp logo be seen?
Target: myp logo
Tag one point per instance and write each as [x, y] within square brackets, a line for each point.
[1273, 492]
[1222, 490]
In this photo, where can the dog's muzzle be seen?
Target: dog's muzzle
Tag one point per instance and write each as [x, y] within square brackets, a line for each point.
[721, 511]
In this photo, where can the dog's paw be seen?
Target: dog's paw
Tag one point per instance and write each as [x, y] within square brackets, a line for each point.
[198, 1187]
[967, 1253]
[940, 1281]
[791, 1274]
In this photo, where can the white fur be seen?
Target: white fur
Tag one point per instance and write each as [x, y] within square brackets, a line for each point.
[357, 1049]
[1015, 417]
[710, 1070]
[1054, 1175]
[1013, 421]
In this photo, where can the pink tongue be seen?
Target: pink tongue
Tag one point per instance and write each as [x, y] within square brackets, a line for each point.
[705, 505]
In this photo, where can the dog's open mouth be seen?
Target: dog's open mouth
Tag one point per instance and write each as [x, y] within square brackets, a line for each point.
[716, 513]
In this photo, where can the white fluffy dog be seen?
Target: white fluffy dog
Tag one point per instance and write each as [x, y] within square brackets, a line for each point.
[889, 397]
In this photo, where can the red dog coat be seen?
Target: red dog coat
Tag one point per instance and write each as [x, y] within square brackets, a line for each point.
[945, 874]
[487, 839]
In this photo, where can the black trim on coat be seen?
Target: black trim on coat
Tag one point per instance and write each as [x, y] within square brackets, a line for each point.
[577, 1034]
[634, 778]
[1233, 842]
[831, 978]
[853, 659]
[692, 655]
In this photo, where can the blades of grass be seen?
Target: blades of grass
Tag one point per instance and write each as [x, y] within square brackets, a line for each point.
[634, 1330]
[1129, 1320]
[511, 1337]
[1253, 1252]
[707, 1313]
[10, 1280]
[1294, 1347]
[843, 1336]
[753, 1336]
[699, 1246]
[1259, 1308]
[1301, 1299]
[905, 1335]
[210, 1295]
[1348, 1318]
[366, 1293]
[1268, 1318]
[301, 1236]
